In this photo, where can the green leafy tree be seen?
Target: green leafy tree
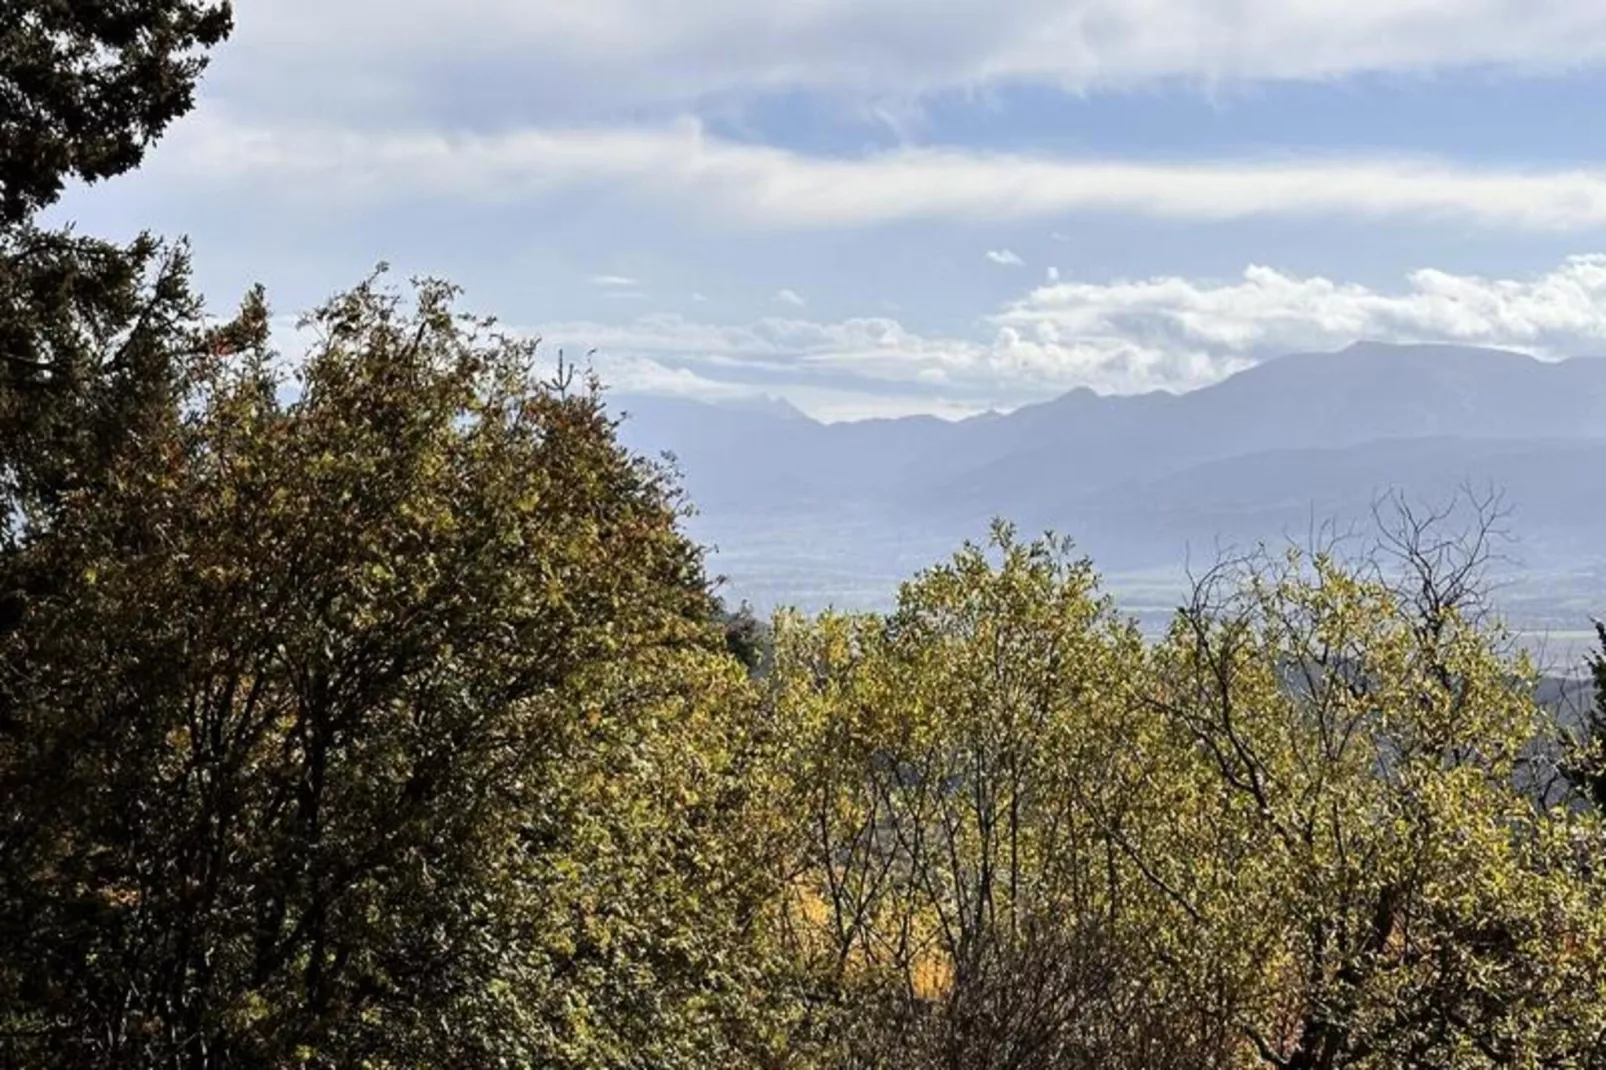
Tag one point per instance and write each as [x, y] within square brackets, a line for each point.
[373, 719]
[1294, 833]
[961, 898]
[377, 718]
[1363, 840]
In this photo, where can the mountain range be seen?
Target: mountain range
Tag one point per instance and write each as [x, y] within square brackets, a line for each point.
[839, 511]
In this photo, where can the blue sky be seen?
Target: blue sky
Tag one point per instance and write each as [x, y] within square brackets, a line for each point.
[877, 207]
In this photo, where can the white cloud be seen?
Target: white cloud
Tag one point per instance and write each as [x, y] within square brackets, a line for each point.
[872, 354]
[613, 281]
[1005, 257]
[643, 375]
[790, 297]
[1558, 313]
[886, 51]
[768, 187]
[1053, 274]
[1122, 336]
[640, 375]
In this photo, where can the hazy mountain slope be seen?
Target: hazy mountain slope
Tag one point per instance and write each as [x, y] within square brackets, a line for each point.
[763, 455]
[735, 456]
[1321, 400]
[1138, 480]
[1375, 391]
[1553, 488]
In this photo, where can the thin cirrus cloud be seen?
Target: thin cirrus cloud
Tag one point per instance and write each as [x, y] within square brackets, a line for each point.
[644, 51]
[1124, 336]
[767, 187]
[1006, 257]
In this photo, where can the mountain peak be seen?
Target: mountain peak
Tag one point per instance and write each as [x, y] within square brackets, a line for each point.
[1378, 361]
[767, 404]
[1426, 350]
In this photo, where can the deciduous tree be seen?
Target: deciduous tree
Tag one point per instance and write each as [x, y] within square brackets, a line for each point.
[376, 718]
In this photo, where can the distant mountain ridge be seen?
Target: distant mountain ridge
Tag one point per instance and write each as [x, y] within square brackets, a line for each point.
[1137, 479]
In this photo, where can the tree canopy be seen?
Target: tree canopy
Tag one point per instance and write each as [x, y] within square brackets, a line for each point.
[1293, 833]
[386, 698]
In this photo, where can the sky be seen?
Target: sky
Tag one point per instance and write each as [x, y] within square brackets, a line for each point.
[888, 207]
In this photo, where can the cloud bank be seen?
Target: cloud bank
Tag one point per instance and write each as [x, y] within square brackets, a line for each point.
[635, 52]
[1125, 336]
[764, 187]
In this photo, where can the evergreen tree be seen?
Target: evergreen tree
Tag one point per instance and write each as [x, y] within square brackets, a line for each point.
[86, 87]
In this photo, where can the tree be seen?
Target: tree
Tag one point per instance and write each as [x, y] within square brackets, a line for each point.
[748, 639]
[87, 329]
[374, 719]
[1584, 761]
[1295, 833]
[1357, 748]
[960, 898]
[94, 340]
[85, 88]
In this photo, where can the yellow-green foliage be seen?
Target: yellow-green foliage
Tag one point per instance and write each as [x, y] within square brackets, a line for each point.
[1291, 833]
[373, 719]
[1390, 894]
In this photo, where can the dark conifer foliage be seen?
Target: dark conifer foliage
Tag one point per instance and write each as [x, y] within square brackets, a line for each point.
[87, 85]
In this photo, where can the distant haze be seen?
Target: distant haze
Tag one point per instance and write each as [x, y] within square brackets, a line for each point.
[807, 513]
